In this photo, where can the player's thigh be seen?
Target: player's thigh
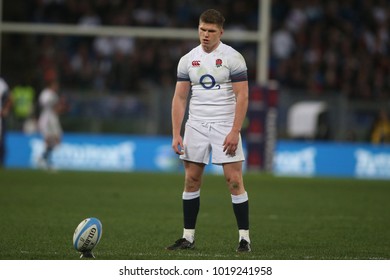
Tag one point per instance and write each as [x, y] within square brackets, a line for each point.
[196, 143]
[218, 134]
[54, 125]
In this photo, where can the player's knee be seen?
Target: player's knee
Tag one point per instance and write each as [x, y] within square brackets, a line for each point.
[192, 183]
[234, 183]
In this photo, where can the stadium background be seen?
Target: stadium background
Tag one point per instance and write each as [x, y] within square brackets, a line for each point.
[119, 94]
[328, 53]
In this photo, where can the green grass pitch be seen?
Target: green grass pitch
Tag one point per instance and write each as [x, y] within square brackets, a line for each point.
[291, 218]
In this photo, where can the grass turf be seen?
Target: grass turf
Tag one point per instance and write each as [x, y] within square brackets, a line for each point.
[291, 218]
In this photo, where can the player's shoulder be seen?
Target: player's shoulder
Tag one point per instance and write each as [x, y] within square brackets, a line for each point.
[226, 48]
[47, 94]
[230, 55]
[193, 52]
[3, 83]
[3, 87]
[190, 56]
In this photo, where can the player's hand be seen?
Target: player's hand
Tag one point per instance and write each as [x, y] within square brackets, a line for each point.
[177, 145]
[231, 142]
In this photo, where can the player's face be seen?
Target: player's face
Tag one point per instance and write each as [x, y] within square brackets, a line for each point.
[209, 35]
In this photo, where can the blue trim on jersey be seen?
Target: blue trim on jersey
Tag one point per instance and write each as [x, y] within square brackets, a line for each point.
[239, 80]
[179, 79]
[240, 77]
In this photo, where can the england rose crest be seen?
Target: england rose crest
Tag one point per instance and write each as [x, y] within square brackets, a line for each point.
[218, 62]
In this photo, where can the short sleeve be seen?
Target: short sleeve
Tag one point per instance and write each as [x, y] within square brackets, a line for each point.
[238, 69]
[182, 69]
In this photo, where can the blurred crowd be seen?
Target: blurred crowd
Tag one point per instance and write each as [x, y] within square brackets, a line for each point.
[338, 46]
[116, 64]
[316, 45]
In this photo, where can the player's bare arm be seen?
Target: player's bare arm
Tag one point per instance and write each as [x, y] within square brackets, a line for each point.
[179, 104]
[231, 141]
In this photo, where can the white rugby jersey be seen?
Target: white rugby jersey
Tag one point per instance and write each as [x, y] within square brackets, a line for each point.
[211, 76]
[48, 122]
[48, 99]
[3, 91]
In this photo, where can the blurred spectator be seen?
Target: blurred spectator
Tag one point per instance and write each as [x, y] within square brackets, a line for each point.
[23, 100]
[49, 123]
[296, 18]
[282, 43]
[89, 17]
[381, 129]
[83, 66]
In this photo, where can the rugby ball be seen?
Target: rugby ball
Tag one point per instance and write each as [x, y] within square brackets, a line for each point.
[87, 235]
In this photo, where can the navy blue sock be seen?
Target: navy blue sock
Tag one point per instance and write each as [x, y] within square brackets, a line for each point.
[47, 153]
[241, 211]
[190, 212]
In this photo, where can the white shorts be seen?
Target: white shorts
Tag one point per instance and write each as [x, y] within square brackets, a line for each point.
[49, 125]
[202, 139]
